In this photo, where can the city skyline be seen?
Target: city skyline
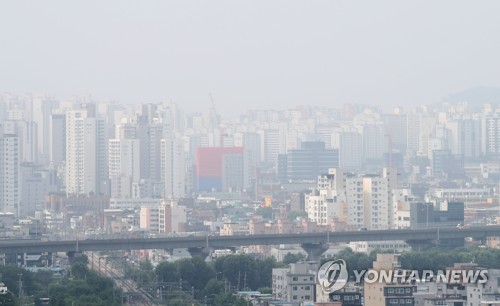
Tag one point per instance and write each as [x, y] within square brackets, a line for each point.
[256, 153]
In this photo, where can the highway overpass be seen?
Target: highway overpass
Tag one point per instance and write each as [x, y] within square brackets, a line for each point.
[427, 235]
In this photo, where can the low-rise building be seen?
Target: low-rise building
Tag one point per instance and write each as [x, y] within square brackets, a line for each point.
[393, 293]
[296, 283]
[169, 217]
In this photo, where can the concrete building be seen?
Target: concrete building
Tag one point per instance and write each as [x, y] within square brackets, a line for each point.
[350, 295]
[26, 131]
[396, 126]
[363, 202]
[443, 214]
[306, 163]
[465, 138]
[401, 201]
[43, 107]
[220, 168]
[388, 293]
[367, 199]
[9, 174]
[296, 283]
[35, 182]
[86, 153]
[491, 132]
[124, 166]
[173, 167]
[168, 217]
[413, 129]
[374, 142]
[233, 172]
[350, 146]
[57, 146]
[324, 203]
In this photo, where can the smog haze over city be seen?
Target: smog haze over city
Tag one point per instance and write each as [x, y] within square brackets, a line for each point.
[250, 54]
[264, 153]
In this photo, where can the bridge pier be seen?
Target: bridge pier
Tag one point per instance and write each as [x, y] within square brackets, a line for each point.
[314, 250]
[420, 245]
[202, 252]
[11, 258]
[72, 255]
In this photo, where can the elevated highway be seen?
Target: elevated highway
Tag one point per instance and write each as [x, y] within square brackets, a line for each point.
[426, 235]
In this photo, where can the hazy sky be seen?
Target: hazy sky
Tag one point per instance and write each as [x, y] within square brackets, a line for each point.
[250, 54]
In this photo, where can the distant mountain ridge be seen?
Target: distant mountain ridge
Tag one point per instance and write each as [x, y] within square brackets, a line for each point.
[476, 96]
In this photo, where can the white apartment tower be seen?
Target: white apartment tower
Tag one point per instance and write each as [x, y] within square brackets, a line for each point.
[360, 201]
[43, 107]
[124, 166]
[26, 131]
[57, 148]
[173, 167]
[491, 130]
[86, 153]
[9, 173]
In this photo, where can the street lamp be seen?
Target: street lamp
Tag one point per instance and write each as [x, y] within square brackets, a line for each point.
[101, 257]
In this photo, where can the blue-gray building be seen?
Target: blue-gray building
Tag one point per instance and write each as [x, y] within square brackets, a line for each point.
[306, 163]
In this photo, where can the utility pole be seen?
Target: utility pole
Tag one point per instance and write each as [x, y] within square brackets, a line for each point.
[239, 277]
[21, 295]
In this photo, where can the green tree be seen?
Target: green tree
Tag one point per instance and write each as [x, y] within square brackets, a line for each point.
[293, 258]
[265, 212]
[229, 300]
[293, 215]
[265, 290]
[265, 267]
[213, 287]
[79, 270]
[10, 277]
[167, 272]
[8, 299]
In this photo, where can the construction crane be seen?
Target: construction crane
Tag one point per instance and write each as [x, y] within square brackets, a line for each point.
[214, 120]
[213, 112]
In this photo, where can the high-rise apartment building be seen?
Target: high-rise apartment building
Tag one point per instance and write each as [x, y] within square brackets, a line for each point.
[57, 146]
[492, 136]
[464, 138]
[26, 131]
[124, 166]
[9, 173]
[86, 153]
[173, 167]
[396, 126]
[350, 146]
[42, 111]
[360, 201]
